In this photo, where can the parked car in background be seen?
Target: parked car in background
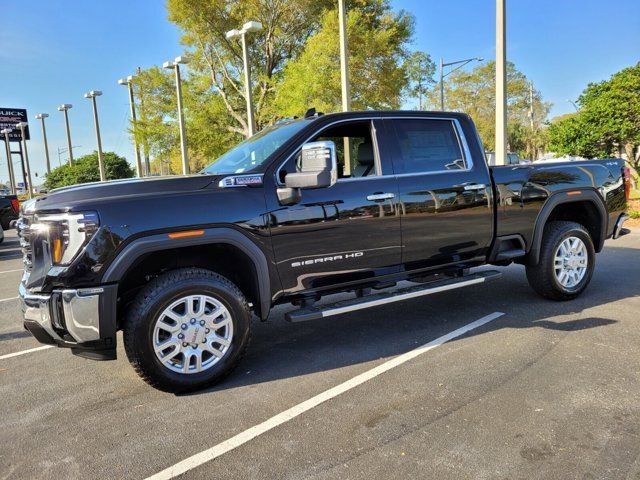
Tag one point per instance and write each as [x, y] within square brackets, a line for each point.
[1, 234]
[512, 159]
[9, 210]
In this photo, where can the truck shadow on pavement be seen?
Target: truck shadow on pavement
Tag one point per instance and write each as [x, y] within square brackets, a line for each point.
[14, 335]
[281, 350]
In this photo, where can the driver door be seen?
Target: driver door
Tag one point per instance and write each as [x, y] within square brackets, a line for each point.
[348, 232]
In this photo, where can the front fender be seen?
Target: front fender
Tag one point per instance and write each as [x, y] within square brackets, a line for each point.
[159, 242]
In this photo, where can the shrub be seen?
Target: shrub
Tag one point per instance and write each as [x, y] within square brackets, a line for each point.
[85, 169]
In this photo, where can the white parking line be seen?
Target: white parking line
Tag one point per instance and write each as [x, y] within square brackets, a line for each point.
[11, 271]
[283, 417]
[7, 299]
[23, 352]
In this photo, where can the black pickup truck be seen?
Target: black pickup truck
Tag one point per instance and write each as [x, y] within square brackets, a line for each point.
[349, 202]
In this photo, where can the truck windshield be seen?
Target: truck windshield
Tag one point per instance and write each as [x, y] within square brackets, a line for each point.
[251, 154]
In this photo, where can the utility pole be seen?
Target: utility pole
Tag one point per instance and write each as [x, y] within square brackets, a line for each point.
[531, 105]
[532, 152]
[344, 80]
[501, 84]
[22, 126]
[246, 28]
[41, 117]
[12, 178]
[145, 140]
[65, 109]
[92, 96]
[441, 84]
[175, 65]
[128, 82]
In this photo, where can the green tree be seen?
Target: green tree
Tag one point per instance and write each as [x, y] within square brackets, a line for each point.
[612, 110]
[287, 26]
[377, 38]
[85, 170]
[420, 69]
[573, 135]
[473, 92]
[607, 123]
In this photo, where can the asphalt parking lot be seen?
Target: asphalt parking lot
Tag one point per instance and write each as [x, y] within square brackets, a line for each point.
[547, 390]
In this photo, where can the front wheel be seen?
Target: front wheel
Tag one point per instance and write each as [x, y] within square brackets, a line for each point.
[567, 261]
[187, 329]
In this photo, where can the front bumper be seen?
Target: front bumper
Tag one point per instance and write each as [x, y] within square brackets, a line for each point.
[83, 319]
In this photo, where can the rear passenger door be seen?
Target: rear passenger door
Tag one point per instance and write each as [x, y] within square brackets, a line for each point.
[445, 194]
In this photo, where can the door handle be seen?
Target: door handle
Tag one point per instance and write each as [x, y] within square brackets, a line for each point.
[377, 197]
[473, 186]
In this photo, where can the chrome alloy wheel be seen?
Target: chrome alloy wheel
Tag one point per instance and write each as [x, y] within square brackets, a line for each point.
[571, 262]
[192, 334]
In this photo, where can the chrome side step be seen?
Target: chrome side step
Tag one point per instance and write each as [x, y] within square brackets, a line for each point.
[351, 305]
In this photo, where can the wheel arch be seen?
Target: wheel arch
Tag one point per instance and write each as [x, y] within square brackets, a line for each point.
[231, 242]
[582, 206]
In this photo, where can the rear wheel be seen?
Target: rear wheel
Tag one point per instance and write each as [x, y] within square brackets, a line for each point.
[567, 261]
[187, 329]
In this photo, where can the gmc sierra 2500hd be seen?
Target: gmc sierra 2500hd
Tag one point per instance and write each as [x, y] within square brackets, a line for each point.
[180, 264]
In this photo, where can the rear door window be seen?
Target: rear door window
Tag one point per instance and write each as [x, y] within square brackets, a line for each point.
[427, 145]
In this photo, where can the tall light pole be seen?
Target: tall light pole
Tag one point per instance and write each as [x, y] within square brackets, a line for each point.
[175, 65]
[574, 104]
[460, 63]
[344, 79]
[41, 117]
[65, 109]
[242, 33]
[128, 82]
[12, 178]
[501, 83]
[92, 96]
[22, 126]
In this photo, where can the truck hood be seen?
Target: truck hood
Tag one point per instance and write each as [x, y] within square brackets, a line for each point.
[65, 198]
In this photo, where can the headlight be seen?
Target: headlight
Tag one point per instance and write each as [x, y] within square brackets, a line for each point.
[66, 233]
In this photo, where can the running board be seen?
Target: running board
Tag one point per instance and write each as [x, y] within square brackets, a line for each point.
[353, 304]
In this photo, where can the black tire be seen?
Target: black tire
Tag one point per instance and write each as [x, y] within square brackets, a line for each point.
[542, 277]
[158, 295]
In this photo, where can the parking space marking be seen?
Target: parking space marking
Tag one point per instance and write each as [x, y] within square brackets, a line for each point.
[7, 299]
[283, 417]
[12, 271]
[23, 352]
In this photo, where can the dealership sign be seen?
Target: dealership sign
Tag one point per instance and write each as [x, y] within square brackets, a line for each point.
[9, 118]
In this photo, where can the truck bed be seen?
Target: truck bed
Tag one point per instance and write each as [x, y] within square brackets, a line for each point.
[522, 190]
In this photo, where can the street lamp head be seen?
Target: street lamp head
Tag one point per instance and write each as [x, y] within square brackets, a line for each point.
[251, 27]
[64, 107]
[126, 80]
[480, 59]
[233, 33]
[93, 93]
[6, 131]
[169, 65]
[183, 59]
[40, 116]
[22, 125]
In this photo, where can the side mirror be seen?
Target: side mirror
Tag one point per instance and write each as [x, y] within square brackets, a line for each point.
[318, 167]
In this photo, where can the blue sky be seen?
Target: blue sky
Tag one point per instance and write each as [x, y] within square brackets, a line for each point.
[54, 52]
